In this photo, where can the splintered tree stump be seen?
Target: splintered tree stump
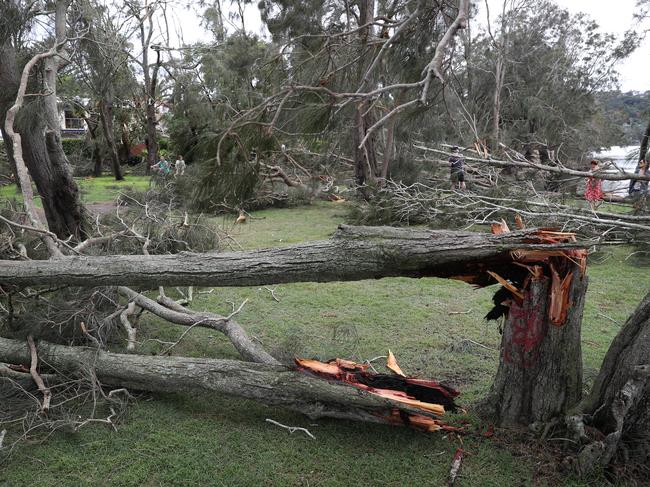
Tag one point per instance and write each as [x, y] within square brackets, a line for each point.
[540, 368]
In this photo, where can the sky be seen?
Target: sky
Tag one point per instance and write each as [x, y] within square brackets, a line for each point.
[613, 16]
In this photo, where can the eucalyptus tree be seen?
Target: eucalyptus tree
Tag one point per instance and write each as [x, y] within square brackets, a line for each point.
[101, 63]
[38, 120]
[550, 63]
[368, 64]
[143, 16]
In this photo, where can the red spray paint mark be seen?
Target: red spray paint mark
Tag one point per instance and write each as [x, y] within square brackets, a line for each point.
[528, 330]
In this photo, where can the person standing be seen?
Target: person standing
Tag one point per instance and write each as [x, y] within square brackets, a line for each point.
[456, 165]
[179, 165]
[162, 167]
[594, 189]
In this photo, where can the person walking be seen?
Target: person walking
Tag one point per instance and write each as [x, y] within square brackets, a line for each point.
[179, 165]
[456, 165]
[594, 189]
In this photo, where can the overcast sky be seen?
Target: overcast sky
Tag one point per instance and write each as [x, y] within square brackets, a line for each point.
[614, 16]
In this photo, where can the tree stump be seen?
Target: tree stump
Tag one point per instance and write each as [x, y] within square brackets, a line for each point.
[540, 368]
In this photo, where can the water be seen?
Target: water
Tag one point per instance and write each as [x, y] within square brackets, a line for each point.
[625, 158]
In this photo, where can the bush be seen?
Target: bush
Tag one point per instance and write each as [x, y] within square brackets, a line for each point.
[73, 147]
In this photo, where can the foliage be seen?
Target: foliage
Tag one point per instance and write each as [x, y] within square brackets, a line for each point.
[628, 112]
[554, 64]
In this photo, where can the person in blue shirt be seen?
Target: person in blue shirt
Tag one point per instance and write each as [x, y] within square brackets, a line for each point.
[162, 167]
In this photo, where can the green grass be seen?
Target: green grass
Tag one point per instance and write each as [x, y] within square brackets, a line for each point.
[93, 190]
[182, 440]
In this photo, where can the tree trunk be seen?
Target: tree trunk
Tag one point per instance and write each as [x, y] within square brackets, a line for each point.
[365, 158]
[9, 79]
[93, 124]
[52, 175]
[643, 150]
[41, 144]
[151, 85]
[354, 253]
[276, 385]
[613, 407]
[540, 367]
[499, 75]
[390, 139]
[643, 153]
[106, 115]
[126, 143]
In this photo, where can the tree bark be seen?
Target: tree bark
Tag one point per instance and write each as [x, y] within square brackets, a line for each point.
[354, 253]
[390, 138]
[643, 153]
[625, 367]
[126, 143]
[365, 157]
[150, 87]
[106, 115]
[9, 80]
[276, 385]
[93, 124]
[41, 145]
[52, 175]
[540, 367]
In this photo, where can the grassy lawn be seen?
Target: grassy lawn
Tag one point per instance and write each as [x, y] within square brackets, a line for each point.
[93, 190]
[182, 440]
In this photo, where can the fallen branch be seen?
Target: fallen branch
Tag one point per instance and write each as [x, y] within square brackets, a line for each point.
[291, 429]
[173, 312]
[130, 331]
[272, 291]
[455, 466]
[47, 395]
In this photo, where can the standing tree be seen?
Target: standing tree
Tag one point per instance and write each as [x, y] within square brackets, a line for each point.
[41, 137]
[143, 15]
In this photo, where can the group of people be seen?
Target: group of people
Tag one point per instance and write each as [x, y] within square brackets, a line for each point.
[164, 168]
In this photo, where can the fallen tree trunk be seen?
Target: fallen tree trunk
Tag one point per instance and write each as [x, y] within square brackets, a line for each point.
[354, 253]
[275, 385]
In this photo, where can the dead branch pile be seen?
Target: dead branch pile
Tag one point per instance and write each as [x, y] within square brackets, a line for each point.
[418, 203]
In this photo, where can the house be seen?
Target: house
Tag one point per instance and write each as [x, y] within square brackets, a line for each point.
[71, 119]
